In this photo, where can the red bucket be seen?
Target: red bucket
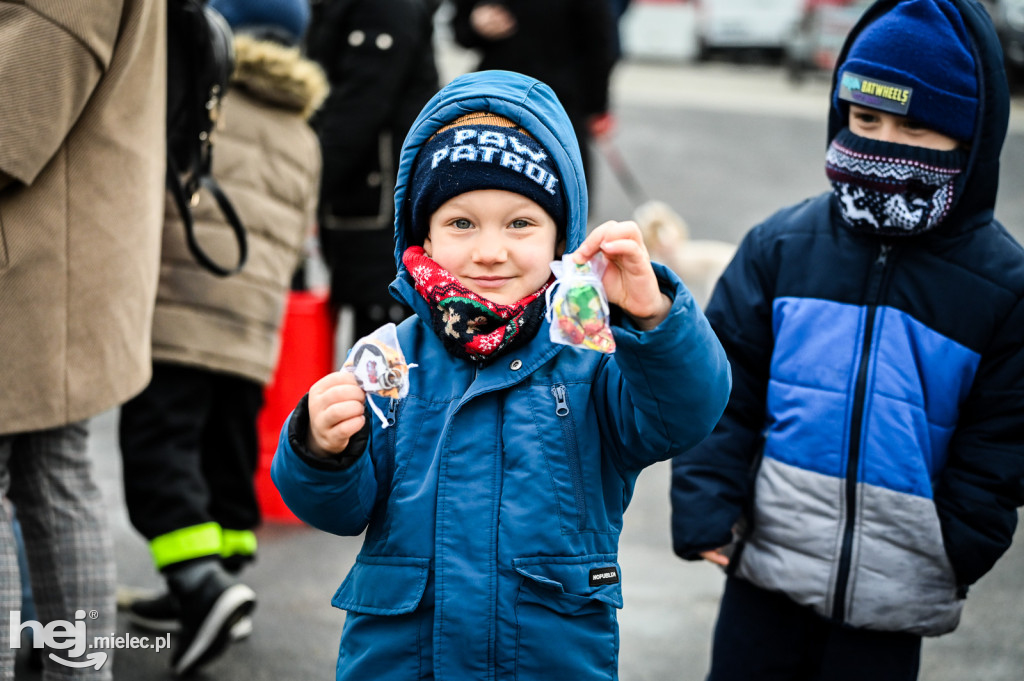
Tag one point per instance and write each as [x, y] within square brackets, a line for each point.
[307, 354]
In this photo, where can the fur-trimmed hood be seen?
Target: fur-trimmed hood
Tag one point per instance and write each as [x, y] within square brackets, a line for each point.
[279, 75]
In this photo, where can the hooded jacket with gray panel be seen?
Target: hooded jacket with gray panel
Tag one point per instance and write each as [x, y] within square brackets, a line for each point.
[873, 444]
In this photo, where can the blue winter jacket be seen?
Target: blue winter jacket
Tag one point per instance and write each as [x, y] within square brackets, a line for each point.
[493, 504]
[874, 440]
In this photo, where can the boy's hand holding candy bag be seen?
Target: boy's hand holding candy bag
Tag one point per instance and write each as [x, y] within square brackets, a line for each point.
[336, 404]
[628, 280]
[375, 365]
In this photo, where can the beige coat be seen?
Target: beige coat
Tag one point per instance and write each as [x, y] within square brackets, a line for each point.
[82, 106]
[266, 158]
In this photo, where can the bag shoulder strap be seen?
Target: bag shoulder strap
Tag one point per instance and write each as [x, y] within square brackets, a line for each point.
[183, 203]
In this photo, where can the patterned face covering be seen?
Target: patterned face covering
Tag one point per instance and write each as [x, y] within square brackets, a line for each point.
[893, 189]
[469, 325]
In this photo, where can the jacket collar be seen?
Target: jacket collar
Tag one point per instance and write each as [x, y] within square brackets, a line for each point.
[506, 369]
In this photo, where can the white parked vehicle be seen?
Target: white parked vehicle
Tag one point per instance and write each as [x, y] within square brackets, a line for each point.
[745, 25]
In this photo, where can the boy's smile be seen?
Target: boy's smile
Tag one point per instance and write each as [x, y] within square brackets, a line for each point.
[497, 243]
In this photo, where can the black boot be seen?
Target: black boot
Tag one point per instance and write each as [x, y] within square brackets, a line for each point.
[211, 604]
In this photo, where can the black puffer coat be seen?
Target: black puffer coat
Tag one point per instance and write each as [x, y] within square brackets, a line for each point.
[567, 44]
[379, 59]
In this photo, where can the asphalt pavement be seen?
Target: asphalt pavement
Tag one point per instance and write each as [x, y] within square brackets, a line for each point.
[725, 145]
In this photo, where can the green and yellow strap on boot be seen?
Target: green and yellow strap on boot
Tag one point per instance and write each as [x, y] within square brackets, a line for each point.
[185, 544]
[237, 549]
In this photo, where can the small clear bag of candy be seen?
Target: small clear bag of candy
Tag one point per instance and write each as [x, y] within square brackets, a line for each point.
[578, 305]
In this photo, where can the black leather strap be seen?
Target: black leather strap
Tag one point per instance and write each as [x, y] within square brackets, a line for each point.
[181, 200]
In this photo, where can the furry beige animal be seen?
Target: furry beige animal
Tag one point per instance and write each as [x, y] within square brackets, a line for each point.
[698, 262]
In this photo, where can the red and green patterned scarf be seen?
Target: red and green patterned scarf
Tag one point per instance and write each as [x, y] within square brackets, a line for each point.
[469, 325]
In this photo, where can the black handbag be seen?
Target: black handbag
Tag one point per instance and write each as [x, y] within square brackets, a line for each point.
[200, 60]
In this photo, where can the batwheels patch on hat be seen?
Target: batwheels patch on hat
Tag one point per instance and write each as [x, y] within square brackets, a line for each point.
[482, 150]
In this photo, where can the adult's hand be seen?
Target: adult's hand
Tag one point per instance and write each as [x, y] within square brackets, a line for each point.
[492, 21]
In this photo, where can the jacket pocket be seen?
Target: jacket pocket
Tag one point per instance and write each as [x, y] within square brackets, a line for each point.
[383, 585]
[571, 600]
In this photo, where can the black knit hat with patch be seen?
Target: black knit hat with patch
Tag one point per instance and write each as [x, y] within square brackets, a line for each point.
[482, 151]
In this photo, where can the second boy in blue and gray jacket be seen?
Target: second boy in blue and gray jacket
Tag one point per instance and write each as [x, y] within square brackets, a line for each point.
[873, 441]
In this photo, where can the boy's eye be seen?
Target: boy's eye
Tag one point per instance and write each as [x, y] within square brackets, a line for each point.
[519, 224]
[462, 223]
[911, 124]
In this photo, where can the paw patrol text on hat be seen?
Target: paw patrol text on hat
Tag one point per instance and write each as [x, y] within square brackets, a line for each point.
[490, 146]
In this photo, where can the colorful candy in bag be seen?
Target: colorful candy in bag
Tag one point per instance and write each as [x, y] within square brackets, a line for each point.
[379, 366]
[578, 305]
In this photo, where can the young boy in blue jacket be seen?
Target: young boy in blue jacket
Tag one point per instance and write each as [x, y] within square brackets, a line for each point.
[493, 503]
[871, 459]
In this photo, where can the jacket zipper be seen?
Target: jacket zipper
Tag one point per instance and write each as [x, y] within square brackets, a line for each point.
[392, 417]
[380, 522]
[572, 452]
[856, 425]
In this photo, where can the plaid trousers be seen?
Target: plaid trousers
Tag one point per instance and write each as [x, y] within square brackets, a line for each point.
[48, 477]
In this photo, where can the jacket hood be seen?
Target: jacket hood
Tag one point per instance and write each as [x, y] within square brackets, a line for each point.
[523, 100]
[982, 181]
[278, 75]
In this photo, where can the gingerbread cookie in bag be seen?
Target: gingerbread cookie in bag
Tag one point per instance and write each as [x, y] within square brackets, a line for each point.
[379, 366]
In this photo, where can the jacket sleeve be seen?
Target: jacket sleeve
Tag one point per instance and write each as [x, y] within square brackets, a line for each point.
[664, 389]
[335, 496]
[50, 63]
[711, 482]
[982, 484]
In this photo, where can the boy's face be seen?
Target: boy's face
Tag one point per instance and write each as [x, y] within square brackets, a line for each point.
[887, 127]
[498, 244]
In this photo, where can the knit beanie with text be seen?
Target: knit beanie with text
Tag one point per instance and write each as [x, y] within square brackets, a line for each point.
[916, 60]
[482, 150]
